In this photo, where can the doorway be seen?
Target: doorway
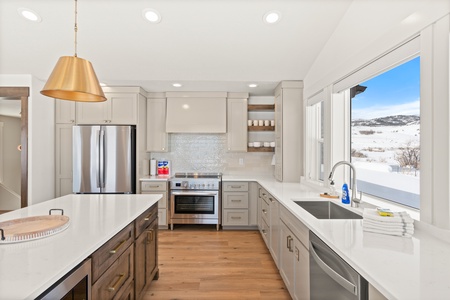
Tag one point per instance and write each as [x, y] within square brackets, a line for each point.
[21, 94]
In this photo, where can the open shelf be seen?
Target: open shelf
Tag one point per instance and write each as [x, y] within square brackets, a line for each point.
[260, 149]
[261, 107]
[261, 128]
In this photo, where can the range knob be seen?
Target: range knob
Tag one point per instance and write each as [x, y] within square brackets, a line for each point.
[185, 184]
[203, 186]
[193, 186]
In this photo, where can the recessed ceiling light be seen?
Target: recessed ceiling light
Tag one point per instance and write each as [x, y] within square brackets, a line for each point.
[272, 17]
[151, 15]
[252, 85]
[29, 14]
[177, 85]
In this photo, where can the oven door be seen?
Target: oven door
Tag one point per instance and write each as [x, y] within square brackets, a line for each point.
[194, 205]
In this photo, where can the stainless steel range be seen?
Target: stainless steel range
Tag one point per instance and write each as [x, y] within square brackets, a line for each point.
[195, 198]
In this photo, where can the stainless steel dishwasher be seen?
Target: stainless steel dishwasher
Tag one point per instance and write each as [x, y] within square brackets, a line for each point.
[330, 276]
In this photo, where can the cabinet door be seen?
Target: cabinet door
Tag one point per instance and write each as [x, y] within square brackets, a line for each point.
[301, 256]
[237, 125]
[63, 159]
[146, 258]
[93, 113]
[279, 137]
[123, 109]
[286, 257]
[64, 112]
[274, 229]
[157, 137]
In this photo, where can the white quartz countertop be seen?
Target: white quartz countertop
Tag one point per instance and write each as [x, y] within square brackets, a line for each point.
[29, 268]
[400, 268]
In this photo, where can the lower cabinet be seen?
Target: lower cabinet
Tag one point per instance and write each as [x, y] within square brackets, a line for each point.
[158, 187]
[124, 267]
[146, 251]
[294, 255]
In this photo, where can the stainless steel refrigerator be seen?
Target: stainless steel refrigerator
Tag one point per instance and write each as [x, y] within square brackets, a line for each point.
[104, 159]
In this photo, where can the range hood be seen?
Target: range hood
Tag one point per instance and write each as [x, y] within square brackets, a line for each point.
[196, 112]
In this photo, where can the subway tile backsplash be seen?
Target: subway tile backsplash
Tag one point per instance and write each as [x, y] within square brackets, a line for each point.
[208, 153]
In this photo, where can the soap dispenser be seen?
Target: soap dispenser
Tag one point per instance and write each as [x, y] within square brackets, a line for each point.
[345, 196]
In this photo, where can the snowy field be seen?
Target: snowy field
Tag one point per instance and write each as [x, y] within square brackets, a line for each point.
[378, 170]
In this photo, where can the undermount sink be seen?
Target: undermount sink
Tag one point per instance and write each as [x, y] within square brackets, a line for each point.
[327, 210]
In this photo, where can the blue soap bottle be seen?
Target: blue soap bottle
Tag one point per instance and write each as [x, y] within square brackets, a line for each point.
[345, 196]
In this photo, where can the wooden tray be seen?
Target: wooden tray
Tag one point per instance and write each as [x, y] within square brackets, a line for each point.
[32, 228]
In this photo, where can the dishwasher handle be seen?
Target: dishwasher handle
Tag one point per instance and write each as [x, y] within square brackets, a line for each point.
[332, 273]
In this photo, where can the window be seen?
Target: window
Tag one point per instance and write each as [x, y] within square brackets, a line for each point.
[315, 133]
[385, 134]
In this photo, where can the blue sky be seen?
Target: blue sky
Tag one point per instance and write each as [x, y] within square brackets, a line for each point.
[394, 92]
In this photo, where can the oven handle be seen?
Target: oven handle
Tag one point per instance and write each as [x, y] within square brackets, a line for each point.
[196, 193]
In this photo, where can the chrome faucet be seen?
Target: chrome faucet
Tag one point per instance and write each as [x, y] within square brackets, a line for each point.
[354, 201]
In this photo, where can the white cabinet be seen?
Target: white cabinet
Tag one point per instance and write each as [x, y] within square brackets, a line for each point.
[157, 137]
[269, 222]
[63, 159]
[288, 131]
[158, 187]
[120, 108]
[294, 255]
[235, 199]
[237, 125]
[64, 112]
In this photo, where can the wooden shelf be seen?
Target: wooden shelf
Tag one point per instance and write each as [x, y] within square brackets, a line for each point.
[261, 107]
[261, 128]
[260, 149]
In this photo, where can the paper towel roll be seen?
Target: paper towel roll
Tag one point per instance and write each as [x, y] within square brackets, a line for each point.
[153, 167]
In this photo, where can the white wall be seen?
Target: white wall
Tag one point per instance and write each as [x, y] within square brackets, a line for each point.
[369, 29]
[41, 132]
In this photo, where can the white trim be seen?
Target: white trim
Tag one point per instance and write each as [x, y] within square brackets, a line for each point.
[389, 60]
[316, 98]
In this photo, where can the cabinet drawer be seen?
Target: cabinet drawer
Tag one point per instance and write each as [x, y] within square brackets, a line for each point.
[145, 219]
[151, 186]
[265, 232]
[111, 250]
[265, 210]
[235, 186]
[235, 200]
[117, 279]
[263, 194]
[235, 217]
[297, 227]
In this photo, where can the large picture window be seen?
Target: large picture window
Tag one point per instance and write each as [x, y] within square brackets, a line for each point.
[385, 134]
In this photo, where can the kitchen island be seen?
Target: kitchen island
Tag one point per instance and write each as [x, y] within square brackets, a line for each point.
[27, 269]
[399, 268]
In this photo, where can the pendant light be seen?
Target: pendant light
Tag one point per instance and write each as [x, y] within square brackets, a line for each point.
[73, 78]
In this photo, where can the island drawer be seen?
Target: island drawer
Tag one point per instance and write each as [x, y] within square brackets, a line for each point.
[117, 279]
[151, 186]
[235, 186]
[106, 255]
[145, 219]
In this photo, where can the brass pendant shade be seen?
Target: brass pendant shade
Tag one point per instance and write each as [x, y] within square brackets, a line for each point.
[74, 79]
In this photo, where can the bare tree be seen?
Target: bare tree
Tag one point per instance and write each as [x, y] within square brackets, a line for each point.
[409, 156]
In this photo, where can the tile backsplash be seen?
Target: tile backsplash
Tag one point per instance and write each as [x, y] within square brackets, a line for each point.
[208, 153]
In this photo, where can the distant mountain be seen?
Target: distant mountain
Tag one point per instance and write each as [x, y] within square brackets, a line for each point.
[399, 120]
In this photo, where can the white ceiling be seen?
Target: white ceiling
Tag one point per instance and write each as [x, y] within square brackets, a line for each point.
[214, 45]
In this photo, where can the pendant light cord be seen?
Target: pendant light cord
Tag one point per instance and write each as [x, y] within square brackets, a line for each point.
[76, 26]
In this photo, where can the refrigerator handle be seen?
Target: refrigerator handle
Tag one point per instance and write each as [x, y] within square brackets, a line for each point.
[101, 159]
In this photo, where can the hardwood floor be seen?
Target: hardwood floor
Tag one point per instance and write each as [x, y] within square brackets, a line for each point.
[198, 262]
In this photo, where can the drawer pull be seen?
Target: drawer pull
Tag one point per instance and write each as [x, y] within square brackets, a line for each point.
[149, 236]
[236, 218]
[154, 186]
[271, 199]
[236, 186]
[114, 251]
[148, 217]
[264, 231]
[236, 200]
[264, 211]
[118, 283]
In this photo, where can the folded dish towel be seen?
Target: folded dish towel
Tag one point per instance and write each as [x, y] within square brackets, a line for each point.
[399, 217]
[400, 224]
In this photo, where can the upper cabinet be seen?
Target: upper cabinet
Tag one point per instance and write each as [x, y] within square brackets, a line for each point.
[157, 137]
[288, 131]
[64, 112]
[237, 122]
[121, 108]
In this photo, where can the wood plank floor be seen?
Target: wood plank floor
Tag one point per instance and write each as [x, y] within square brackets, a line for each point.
[198, 262]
